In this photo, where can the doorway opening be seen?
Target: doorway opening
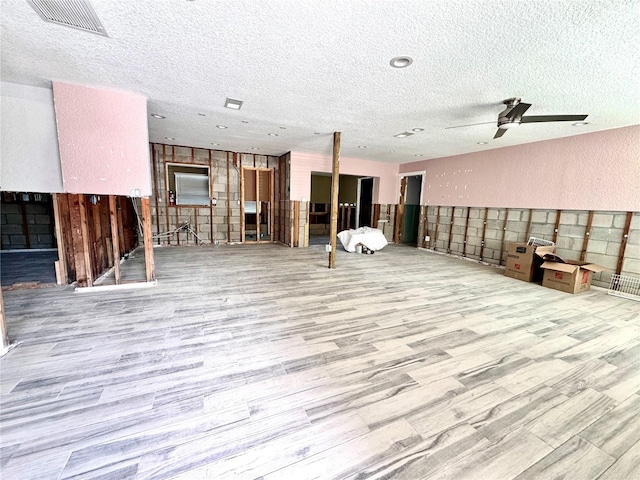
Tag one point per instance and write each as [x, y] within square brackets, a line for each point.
[411, 217]
[257, 205]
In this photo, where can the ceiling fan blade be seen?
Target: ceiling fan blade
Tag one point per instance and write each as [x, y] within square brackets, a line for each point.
[499, 133]
[518, 110]
[470, 125]
[553, 118]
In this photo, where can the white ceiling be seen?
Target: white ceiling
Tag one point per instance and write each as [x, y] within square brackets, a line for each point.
[305, 69]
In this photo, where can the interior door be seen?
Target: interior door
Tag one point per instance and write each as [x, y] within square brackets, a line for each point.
[257, 205]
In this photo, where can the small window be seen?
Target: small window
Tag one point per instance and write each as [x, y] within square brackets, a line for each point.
[188, 185]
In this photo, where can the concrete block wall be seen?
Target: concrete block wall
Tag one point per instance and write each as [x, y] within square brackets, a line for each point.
[218, 223]
[39, 225]
[504, 226]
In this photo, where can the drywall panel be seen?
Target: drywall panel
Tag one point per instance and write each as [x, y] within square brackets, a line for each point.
[104, 140]
[29, 160]
[302, 164]
[594, 171]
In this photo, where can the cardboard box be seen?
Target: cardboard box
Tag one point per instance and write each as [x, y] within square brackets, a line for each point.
[523, 261]
[568, 275]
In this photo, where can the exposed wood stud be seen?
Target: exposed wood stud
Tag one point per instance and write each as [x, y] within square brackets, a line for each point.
[114, 237]
[211, 196]
[177, 209]
[466, 230]
[291, 212]
[148, 241]
[335, 187]
[557, 226]
[272, 204]
[156, 189]
[296, 224]
[166, 190]
[425, 227]
[526, 238]
[349, 208]
[504, 231]
[242, 216]
[587, 235]
[3, 325]
[195, 224]
[25, 224]
[453, 211]
[434, 242]
[625, 239]
[85, 239]
[484, 232]
[63, 277]
[76, 239]
[229, 197]
[399, 217]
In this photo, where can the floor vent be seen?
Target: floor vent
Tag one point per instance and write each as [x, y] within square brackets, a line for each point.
[623, 286]
[70, 13]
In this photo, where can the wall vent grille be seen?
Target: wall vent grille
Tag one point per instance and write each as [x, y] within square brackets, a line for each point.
[70, 13]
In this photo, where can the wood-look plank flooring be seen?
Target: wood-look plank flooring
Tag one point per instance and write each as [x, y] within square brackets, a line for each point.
[257, 362]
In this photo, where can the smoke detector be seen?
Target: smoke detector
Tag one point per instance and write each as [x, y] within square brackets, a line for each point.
[70, 13]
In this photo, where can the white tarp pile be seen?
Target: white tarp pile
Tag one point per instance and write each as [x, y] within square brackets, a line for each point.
[372, 238]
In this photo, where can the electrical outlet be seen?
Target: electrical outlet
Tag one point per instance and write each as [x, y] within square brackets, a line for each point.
[327, 248]
[427, 238]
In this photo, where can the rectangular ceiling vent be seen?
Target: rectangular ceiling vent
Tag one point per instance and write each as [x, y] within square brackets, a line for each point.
[70, 13]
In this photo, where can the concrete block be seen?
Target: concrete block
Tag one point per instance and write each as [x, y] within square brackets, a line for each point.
[604, 260]
[619, 220]
[632, 251]
[573, 231]
[3, 219]
[602, 220]
[607, 234]
[635, 221]
[613, 249]
[475, 213]
[631, 267]
[597, 246]
[472, 232]
[10, 208]
[542, 230]
[511, 237]
[494, 214]
[14, 219]
[514, 215]
[40, 229]
[16, 240]
[539, 216]
[569, 218]
[35, 209]
[12, 229]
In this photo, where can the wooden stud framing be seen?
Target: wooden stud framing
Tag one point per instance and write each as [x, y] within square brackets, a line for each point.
[623, 245]
[484, 232]
[177, 210]
[229, 198]
[526, 238]
[211, 196]
[399, 217]
[453, 211]
[296, 224]
[166, 191]
[291, 210]
[3, 325]
[63, 277]
[242, 218]
[557, 226]
[425, 227]
[587, 235]
[156, 190]
[85, 239]
[25, 225]
[435, 235]
[148, 240]
[375, 215]
[466, 230]
[504, 231]
[272, 203]
[335, 187]
[115, 233]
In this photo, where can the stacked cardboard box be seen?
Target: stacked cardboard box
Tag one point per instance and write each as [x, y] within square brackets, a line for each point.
[568, 275]
[524, 261]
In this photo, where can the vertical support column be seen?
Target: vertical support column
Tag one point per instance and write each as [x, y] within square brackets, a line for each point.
[212, 192]
[453, 211]
[557, 226]
[528, 234]
[425, 227]
[229, 198]
[435, 235]
[484, 232]
[84, 228]
[148, 241]
[166, 192]
[114, 237]
[156, 189]
[504, 231]
[335, 187]
[63, 277]
[587, 235]
[243, 227]
[296, 223]
[623, 245]
[397, 233]
[466, 230]
[3, 326]
[25, 224]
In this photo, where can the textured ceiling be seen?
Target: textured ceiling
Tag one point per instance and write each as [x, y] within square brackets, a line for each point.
[305, 69]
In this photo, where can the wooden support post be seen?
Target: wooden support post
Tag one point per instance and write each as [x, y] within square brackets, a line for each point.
[166, 192]
[335, 187]
[148, 241]
[425, 227]
[211, 196]
[557, 226]
[504, 231]
[296, 223]
[623, 245]
[3, 326]
[453, 211]
[397, 230]
[63, 277]
[484, 232]
[435, 235]
[156, 189]
[587, 235]
[528, 234]
[466, 230]
[229, 197]
[86, 247]
[114, 237]
[349, 208]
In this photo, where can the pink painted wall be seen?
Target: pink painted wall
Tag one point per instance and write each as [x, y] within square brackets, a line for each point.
[594, 171]
[104, 140]
[386, 188]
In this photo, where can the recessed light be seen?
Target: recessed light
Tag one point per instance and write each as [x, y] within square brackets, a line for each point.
[202, 114]
[417, 129]
[283, 128]
[169, 138]
[418, 155]
[362, 146]
[482, 143]
[401, 62]
[403, 135]
[155, 115]
[233, 104]
[580, 124]
[391, 151]
[255, 148]
[243, 121]
[316, 133]
[272, 134]
[221, 126]
[215, 144]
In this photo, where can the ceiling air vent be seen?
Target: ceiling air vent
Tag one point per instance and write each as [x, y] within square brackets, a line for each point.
[70, 13]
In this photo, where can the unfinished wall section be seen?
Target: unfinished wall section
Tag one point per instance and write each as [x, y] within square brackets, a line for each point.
[219, 221]
[26, 221]
[610, 239]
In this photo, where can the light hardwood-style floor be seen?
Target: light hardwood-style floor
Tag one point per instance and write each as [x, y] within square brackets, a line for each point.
[257, 362]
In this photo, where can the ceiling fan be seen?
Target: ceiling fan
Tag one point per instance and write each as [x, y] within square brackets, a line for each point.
[512, 116]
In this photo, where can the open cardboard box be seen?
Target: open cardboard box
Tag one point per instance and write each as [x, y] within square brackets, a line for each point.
[523, 261]
[568, 275]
